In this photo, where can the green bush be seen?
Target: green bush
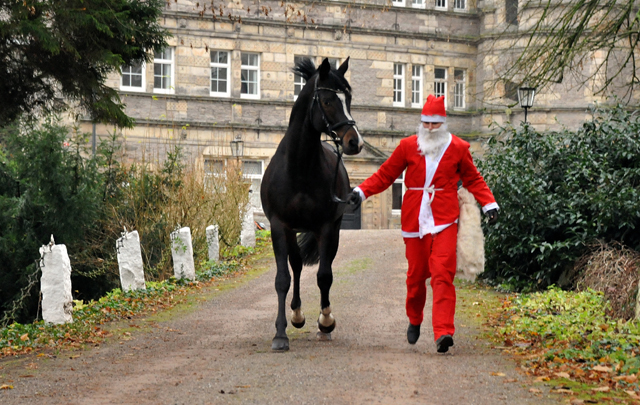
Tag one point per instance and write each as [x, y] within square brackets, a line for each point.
[46, 188]
[558, 192]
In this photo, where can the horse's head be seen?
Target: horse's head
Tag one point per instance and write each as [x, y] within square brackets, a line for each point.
[331, 107]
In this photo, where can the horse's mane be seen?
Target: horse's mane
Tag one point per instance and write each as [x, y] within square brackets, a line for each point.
[305, 68]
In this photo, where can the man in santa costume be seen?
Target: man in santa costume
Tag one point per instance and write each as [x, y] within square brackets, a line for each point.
[435, 161]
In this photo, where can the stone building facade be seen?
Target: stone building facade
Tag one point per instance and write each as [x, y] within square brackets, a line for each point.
[228, 76]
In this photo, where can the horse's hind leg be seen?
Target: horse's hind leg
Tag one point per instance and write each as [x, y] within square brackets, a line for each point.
[283, 281]
[328, 247]
[295, 260]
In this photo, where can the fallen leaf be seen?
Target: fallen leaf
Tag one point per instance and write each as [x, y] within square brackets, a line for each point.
[632, 394]
[498, 374]
[601, 389]
[509, 380]
[535, 390]
[540, 379]
[24, 337]
[602, 368]
[562, 374]
[6, 387]
[564, 391]
[577, 401]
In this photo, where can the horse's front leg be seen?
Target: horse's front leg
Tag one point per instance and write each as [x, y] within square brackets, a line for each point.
[328, 247]
[295, 260]
[283, 281]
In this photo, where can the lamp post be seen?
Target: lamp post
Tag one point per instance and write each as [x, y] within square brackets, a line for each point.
[237, 148]
[526, 96]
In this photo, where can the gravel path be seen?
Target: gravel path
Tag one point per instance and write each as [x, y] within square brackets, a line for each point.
[220, 352]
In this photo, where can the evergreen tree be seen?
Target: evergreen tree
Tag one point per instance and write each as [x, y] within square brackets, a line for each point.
[64, 49]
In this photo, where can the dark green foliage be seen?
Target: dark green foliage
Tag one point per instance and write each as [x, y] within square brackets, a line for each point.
[46, 188]
[559, 192]
[50, 48]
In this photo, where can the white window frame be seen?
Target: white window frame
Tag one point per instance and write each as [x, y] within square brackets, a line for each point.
[218, 65]
[399, 180]
[250, 68]
[458, 3]
[215, 159]
[459, 96]
[172, 71]
[398, 84]
[253, 176]
[441, 4]
[417, 3]
[143, 87]
[417, 86]
[297, 80]
[440, 83]
[397, 3]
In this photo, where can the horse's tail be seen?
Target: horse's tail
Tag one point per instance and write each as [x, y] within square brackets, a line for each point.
[308, 248]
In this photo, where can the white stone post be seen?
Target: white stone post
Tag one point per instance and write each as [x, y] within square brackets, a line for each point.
[130, 261]
[182, 253]
[248, 233]
[55, 284]
[213, 243]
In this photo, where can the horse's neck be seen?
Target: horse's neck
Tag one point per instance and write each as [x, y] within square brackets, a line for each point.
[304, 149]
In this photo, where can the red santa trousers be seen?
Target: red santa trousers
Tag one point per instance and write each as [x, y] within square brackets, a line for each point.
[432, 256]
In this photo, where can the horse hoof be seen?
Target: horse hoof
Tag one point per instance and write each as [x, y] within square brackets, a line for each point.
[280, 344]
[327, 329]
[298, 325]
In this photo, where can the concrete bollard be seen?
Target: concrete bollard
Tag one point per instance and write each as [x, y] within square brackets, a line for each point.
[182, 253]
[248, 233]
[213, 243]
[55, 284]
[130, 261]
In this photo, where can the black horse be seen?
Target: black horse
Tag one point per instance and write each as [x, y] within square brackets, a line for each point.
[304, 187]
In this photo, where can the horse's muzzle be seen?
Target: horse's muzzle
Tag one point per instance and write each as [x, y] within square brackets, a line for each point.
[352, 141]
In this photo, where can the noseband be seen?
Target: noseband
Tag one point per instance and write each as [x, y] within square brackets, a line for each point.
[330, 130]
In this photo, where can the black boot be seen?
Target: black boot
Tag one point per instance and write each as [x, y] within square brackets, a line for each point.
[443, 343]
[413, 333]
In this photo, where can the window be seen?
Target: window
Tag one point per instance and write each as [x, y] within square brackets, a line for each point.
[441, 3]
[298, 82]
[417, 3]
[398, 85]
[458, 91]
[220, 69]
[416, 86]
[163, 71]
[511, 12]
[213, 166]
[250, 75]
[459, 4]
[252, 169]
[440, 82]
[397, 3]
[133, 77]
[397, 191]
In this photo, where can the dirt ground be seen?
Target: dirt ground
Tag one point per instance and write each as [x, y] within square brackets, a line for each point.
[220, 352]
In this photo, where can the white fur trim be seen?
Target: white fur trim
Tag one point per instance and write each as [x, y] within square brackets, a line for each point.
[433, 118]
[491, 206]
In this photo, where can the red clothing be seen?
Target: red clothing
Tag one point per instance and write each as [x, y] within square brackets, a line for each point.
[444, 173]
[430, 210]
[433, 256]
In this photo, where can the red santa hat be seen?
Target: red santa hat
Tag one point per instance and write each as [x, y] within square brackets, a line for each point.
[433, 110]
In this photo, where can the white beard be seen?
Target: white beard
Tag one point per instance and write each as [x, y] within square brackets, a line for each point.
[431, 143]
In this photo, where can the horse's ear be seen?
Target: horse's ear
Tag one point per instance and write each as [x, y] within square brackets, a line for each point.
[345, 65]
[325, 68]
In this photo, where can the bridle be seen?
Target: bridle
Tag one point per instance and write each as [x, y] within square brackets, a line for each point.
[330, 130]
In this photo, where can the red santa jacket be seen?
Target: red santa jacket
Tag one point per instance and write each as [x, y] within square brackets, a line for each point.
[430, 202]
